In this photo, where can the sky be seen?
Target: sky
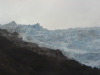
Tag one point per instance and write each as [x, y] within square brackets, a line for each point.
[51, 14]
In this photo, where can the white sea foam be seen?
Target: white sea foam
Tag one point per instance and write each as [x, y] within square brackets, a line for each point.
[81, 44]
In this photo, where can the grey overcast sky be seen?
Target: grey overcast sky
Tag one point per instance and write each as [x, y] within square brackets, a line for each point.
[51, 14]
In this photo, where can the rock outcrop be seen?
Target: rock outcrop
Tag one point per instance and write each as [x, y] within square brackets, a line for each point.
[24, 58]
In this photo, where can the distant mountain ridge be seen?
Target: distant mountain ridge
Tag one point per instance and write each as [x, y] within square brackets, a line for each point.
[81, 44]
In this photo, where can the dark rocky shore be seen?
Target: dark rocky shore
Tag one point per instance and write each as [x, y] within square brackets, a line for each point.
[24, 58]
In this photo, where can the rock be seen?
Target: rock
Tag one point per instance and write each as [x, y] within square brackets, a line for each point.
[24, 58]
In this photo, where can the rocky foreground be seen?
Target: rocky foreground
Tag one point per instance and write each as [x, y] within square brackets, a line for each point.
[23, 58]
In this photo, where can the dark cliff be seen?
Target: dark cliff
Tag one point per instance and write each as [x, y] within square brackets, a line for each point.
[23, 58]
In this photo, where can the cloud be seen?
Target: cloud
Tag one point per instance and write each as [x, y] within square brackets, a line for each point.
[52, 14]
